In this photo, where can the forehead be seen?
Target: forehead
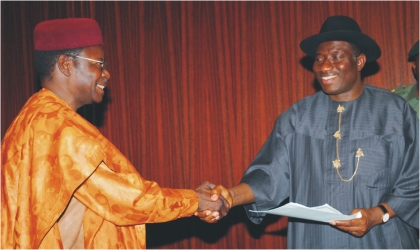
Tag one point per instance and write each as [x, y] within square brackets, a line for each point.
[94, 51]
[333, 46]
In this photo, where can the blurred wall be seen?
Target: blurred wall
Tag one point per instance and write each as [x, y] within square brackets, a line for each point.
[196, 87]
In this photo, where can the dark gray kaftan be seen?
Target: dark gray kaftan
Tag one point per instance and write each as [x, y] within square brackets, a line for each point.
[296, 162]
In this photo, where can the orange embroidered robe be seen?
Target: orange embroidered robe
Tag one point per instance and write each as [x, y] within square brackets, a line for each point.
[49, 154]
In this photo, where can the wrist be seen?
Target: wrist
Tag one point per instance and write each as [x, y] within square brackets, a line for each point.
[232, 201]
[241, 194]
[385, 216]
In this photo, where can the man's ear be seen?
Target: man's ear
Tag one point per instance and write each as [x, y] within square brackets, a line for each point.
[415, 72]
[361, 61]
[64, 63]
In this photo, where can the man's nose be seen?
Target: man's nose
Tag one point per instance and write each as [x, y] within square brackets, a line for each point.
[105, 73]
[326, 65]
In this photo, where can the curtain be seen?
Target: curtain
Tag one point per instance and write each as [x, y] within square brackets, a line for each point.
[196, 87]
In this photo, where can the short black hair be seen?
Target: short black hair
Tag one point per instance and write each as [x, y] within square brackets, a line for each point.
[45, 60]
[355, 49]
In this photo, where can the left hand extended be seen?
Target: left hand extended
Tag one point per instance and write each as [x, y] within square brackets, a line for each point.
[360, 226]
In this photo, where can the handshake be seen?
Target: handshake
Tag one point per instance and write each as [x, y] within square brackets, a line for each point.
[214, 202]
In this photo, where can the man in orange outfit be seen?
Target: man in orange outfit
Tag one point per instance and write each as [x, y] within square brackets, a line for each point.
[64, 185]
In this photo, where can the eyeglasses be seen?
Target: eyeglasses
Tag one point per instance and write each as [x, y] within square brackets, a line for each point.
[103, 64]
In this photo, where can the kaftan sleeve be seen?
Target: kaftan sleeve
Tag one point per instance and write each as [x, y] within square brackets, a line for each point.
[268, 175]
[115, 191]
[404, 197]
[125, 198]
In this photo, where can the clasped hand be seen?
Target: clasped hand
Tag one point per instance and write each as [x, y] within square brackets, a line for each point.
[211, 207]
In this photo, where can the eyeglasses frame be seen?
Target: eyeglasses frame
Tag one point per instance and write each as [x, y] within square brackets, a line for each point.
[103, 64]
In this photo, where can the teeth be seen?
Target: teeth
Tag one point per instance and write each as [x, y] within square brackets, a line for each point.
[327, 77]
[100, 86]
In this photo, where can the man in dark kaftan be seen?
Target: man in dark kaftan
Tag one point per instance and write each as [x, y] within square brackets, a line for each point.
[352, 146]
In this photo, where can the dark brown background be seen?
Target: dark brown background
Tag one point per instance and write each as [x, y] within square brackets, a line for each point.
[196, 87]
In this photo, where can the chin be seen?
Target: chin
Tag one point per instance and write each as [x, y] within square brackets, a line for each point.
[327, 90]
[331, 92]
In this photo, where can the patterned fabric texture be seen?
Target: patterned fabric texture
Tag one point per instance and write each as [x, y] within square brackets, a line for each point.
[51, 154]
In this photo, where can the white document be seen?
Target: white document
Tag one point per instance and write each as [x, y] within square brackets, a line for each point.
[324, 213]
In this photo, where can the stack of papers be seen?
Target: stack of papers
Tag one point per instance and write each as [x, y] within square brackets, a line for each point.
[324, 213]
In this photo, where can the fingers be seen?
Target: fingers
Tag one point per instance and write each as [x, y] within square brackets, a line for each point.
[203, 214]
[210, 219]
[208, 216]
[355, 227]
[341, 223]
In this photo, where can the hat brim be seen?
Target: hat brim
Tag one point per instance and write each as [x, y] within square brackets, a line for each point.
[367, 45]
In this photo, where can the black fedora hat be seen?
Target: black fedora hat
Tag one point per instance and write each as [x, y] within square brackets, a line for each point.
[342, 28]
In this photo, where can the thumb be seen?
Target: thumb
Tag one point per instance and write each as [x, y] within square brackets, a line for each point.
[220, 190]
[215, 193]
